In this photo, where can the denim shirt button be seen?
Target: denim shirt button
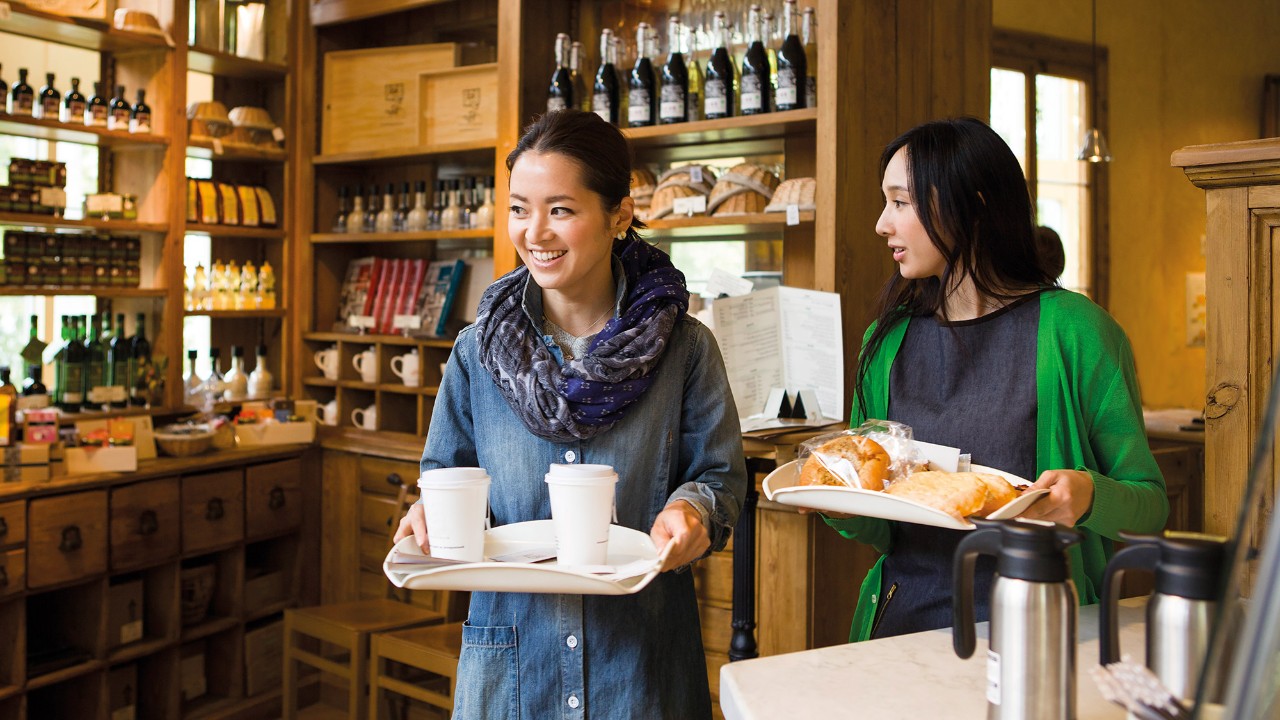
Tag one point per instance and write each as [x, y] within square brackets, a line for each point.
[570, 456]
[573, 701]
[571, 641]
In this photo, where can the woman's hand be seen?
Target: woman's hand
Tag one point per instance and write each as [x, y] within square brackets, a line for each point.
[681, 525]
[414, 522]
[1070, 496]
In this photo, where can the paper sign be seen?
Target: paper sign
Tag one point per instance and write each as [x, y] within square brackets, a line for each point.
[361, 321]
[217, 146]
[940, 457]
[689, 206]
[722, 283]
[277, 132]
[406, 322]
[130, 632]
[793, 214]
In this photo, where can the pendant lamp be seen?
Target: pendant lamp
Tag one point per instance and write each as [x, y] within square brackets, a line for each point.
[1094, 148]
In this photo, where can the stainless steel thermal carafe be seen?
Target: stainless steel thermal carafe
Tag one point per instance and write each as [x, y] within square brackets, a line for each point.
[1031, 660]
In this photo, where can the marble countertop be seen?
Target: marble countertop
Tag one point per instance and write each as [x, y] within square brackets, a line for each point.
[915, 675]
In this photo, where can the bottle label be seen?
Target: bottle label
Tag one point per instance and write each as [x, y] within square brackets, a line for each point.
[993, 677]
[118, 120]
[73, 113]
[752, 99]
[716, 102]
[672, 104]
[49, 108]
[811, 91]
[600, 105]
[555, 104]
[118, 394]
[639, 111]
[100, 394]
[787, 92]
[22, 104]
[97, 116]
[141, 123]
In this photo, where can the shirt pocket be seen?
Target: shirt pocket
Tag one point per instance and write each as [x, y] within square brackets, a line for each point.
[488, 674]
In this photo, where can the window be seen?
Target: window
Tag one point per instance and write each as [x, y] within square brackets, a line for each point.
[1040, 96]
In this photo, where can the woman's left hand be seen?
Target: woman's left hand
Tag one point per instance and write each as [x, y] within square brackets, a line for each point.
[1070, 496]
[681, 525]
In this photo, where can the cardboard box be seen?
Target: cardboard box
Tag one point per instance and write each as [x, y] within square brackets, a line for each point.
[89, 460]
[27, 473]
[263, 658]
[459, 105]
[144, 435]
[126, 605]
[263, 589]
[303, 431]
[27, 454]
[371, 96]
[192, 679]
[122, 692]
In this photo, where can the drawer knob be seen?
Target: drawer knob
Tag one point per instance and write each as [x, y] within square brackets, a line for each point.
[71, 540]
[275, 500]
[148, 524]
[394, 480]
[214, 511]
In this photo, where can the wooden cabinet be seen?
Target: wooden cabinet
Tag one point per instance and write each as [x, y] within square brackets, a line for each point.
[145, 526]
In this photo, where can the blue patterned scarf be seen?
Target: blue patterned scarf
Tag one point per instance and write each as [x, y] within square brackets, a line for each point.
[590, 394]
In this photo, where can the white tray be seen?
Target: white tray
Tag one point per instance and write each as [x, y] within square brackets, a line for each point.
[780, 486]
[626, 546]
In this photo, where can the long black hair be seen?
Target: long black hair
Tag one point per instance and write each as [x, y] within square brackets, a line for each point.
[599, 149]
[971, 197]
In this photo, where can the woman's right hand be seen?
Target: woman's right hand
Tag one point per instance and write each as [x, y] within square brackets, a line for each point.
[414, 522]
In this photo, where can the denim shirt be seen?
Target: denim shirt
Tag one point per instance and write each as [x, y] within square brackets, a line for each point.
[539, 656]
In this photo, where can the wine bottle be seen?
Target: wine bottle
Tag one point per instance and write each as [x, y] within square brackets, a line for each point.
[192, 382]
[385, 220]
[370, 211]
[140, 115]
[22, 98]
[59, 363]
[97, 392]
[118, 116]
[4, 93]
[674, 104]
[9, 394]
[355, 219]
[97, 111]
[809, 35]
[577, 58]
[689, 45]
[417, 218]
[718, 86]
[641, 98]
[120, 380]
[140, 367]
[73, 374]
[73, 106]
[604, 96]
[400, 220]
[437, 205]
[560, 92]
[50, 100]
[755, 83]
[793, 66]
[236, 381]
[340, 222]
[31, 357]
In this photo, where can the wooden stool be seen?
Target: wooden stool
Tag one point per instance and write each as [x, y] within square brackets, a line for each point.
[434, 649]
[347, 625]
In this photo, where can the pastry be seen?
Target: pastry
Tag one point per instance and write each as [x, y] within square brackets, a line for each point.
[860, 459]
[958, 494]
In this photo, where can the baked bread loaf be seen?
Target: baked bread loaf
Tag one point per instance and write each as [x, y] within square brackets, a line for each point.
[862, 459]
[958, 494]
[796, 191]
[745, 189]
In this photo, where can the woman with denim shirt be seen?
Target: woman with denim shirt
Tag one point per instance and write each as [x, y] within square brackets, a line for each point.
[586, 355]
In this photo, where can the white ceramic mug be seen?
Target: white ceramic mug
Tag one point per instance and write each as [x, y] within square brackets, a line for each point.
[366, 418]
[366, 363]
[405, 367]
[327, 414]
[327, 361]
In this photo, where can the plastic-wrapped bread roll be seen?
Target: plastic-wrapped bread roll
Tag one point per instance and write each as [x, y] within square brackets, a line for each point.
[860, 459]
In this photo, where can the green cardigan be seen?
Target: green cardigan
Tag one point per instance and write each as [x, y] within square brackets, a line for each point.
[1088, 417]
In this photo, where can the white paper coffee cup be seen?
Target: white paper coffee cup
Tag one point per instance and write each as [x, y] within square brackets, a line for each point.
[581, 507]
[455, 501]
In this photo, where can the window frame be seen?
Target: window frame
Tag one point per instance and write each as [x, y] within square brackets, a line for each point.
[1033, 54]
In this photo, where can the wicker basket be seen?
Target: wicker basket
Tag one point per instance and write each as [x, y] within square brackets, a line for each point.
[198, 584]
[183, 440]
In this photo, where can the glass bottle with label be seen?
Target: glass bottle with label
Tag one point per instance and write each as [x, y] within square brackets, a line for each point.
[385, 220]
[118, 116]
[604, 95]
[767, 31]
[673, 106]
[218, 286]
[22, 99]
[416, 220]
[96, 388]
[9, 400]
[578, 58]
[31, 359]
[484, 213]
[266, 286]
[192, 383]
[355, 220]
[641, 95]
[247, 296]
[200, 289]
[236, 383]
[467, 204]
[214, 385]
[437, 205]
[689, 44]
[140, 115]
[140, 365]
[50, 100]
[232, 287]
[120, 380]
[4, 93]
[755, 83]
[260, 378]
[97, 111]
[718, 86]
[809, 35]
[793, 66]
[451, 215]
[560, 92]
[73, 372]
[73, 105]
[400, 219]
[340, 221]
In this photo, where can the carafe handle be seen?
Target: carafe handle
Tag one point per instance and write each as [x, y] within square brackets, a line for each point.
[986, 541]
[1141, 555]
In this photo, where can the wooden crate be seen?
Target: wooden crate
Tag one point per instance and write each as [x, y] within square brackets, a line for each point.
[459, 106]
[371, 96]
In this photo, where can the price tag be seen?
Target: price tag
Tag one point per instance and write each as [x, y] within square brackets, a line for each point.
[277, 132]
[793, 214]
[406, 322]
[217, 146]
[689, 206]
[361, 321]
[695, 174]
[130, 632]
[4, 11]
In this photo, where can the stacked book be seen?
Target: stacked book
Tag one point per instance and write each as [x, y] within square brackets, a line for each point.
[384, 288]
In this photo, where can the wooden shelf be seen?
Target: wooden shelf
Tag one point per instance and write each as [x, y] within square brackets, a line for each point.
[71, 418]
[57, 676]
[48, 221]
[377, 339]
[79, 32]
[272, 608]
[41, 129]
[744, 127]
[332, 12]
[8, 691]
[209, 706]
[468, 234]
[235, 314]
[209, 627]
[408, 154]
[235, 231]
[216, 62]
[319, 382]
[713, 227]
[133, 651]
[207, 150]
[401, 389]
[95, 290]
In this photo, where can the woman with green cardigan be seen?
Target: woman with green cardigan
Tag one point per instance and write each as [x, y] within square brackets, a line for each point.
[975, 347]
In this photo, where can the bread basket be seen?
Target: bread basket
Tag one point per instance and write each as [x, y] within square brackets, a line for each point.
[254, 118]
[137, 21]
[744, 190]
[183, 440]
[679, 182]
[207, 120]
[796, 191]
[643, 184]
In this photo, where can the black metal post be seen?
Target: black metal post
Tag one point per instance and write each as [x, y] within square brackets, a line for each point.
[742, 646]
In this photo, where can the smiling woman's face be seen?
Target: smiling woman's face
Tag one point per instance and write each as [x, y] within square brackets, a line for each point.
[915, 253]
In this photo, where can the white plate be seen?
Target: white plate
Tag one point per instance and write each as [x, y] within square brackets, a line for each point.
[625, 546]
[780, 486]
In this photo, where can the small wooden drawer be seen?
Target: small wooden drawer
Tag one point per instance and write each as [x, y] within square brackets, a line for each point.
[144, 523]
[13, 571]
[273, 497]
[378, 514]
[67, 538]
[13, 522]
[212, 510]
[380, 476]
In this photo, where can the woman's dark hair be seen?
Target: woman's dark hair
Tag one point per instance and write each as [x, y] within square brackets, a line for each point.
[969, 192]
[601, 152]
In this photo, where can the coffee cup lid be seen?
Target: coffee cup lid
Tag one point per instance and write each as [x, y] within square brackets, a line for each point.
[446, 477]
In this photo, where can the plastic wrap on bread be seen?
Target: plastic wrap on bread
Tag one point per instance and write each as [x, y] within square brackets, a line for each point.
[867, 457]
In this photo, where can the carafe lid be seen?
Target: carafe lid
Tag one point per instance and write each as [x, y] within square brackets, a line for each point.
[1032, 550]
[1191, 564]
